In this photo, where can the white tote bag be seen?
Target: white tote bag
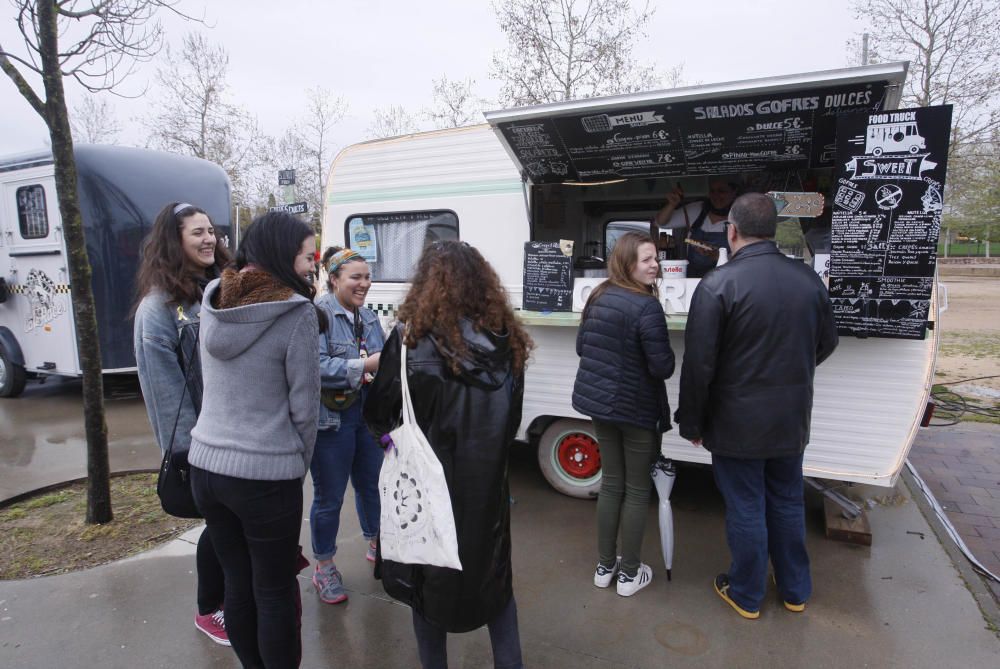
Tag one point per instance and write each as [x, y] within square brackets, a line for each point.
[417, 523]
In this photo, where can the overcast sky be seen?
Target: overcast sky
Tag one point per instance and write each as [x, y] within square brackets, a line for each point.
[377, 53]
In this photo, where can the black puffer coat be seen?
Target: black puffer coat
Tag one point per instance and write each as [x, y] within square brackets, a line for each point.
[625, 355]
[756, 330]
[470, 421]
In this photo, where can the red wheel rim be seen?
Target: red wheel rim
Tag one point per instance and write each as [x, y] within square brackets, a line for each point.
[579, 456]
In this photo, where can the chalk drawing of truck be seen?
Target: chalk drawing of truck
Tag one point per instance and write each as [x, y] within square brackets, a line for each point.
[893, 138]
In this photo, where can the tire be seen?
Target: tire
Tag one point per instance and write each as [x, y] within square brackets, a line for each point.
[877, 151]
[570, 458]
[914, 148]
[12, 377]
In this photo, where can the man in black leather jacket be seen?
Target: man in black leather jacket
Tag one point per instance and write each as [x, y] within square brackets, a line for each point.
[756, 330]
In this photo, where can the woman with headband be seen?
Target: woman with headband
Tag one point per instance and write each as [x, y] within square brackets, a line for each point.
[348, 358]
[179, 257]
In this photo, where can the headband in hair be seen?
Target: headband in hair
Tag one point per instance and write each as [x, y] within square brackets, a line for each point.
[338, 259]
[181, 207]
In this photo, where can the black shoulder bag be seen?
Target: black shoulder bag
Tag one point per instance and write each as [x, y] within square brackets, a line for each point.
[173, 486]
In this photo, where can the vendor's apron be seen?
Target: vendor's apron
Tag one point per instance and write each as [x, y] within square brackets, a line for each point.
[699, 263]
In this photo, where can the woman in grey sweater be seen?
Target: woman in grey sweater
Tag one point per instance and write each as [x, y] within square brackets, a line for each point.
[179, 257]
[253, 442]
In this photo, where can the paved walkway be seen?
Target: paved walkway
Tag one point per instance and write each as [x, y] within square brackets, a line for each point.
[961, 466]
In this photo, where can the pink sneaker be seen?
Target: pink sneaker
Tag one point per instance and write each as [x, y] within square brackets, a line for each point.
[214, 627]
[370, 553]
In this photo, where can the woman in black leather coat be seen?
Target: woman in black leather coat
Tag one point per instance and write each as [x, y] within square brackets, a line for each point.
[466, 353]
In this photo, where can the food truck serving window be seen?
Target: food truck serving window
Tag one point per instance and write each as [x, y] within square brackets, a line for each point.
[392, 243]
[31, 214]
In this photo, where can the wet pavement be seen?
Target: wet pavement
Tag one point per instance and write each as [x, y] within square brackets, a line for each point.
[41, 434]
[961, 466]
[900, 603]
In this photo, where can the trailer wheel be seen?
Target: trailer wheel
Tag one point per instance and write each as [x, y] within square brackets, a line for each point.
[12, 377]
[570, 458]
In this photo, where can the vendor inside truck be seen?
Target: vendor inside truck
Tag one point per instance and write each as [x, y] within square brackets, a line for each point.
[701, 224]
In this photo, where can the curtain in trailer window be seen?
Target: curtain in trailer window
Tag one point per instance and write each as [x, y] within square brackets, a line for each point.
[392, 243]
[31, 215]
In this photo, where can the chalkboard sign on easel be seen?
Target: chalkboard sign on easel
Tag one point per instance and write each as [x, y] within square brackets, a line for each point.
[548, 278]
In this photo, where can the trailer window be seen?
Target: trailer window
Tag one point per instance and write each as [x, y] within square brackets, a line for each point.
[31, 212]
[392, 243]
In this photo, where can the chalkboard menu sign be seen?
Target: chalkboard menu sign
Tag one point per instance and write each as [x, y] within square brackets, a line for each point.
[548, 278]
[789, 130]
[886, 220]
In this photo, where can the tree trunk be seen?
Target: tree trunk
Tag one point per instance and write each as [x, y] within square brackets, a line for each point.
[57, 119]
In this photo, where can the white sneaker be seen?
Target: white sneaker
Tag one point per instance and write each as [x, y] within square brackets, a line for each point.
[603, 576]
[629, 585]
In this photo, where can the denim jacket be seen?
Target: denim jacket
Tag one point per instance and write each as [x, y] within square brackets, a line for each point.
[340, 363]
[164, 338]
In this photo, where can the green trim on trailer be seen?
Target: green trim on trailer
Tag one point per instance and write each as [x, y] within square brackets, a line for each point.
[419, 192]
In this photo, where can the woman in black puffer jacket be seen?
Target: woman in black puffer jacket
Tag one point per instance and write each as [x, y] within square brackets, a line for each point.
[625, 356]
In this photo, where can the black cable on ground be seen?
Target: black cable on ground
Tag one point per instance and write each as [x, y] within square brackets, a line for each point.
[949, 406]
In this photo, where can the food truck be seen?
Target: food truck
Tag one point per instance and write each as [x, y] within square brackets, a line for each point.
[544, 191]
[120, 191]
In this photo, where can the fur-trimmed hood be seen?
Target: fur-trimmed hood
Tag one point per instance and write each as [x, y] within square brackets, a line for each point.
[242, 307]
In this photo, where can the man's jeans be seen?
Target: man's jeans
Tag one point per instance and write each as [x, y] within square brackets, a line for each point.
[765, 515]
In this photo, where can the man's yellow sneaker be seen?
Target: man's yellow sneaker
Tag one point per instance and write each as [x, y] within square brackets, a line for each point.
[795, 608]
[722, 589]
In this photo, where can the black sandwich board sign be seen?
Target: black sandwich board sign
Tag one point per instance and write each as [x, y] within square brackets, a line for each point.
[887, 204]
[548, 278]
[293, 208]
[763, 131]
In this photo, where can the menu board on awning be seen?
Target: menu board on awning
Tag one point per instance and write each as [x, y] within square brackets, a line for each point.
[782, 130]
[887, 219]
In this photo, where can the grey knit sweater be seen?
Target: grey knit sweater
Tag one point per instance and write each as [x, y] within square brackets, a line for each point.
[259, 414]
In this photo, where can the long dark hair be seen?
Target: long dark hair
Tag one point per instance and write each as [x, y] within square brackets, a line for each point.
[623, 260]
[166, 267]
[452, 281]
[271, 243]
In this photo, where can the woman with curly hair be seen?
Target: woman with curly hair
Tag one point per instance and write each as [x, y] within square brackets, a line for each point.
[465, 359]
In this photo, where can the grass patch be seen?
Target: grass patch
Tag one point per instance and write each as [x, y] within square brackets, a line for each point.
[47, 534]
[972, 344]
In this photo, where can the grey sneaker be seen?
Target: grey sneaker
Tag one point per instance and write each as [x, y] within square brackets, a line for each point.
[329, 584]
[603, 576]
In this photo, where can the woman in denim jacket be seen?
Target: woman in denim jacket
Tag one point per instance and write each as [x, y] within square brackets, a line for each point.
[348, 358]
[179, 257]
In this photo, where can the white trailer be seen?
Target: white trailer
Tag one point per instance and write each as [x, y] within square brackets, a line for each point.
[120, 191]
[465, 183]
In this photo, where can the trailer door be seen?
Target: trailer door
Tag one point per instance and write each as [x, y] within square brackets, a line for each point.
[38, 311]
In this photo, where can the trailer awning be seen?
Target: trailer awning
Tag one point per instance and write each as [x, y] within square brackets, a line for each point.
[777, 123]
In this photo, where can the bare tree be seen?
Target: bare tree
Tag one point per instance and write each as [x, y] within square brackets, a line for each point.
[97, 44]
[567, 49]
[391, 121]
[455, 103]
[954, 51]
[323, 112]
[195, 115]
[94, 121]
